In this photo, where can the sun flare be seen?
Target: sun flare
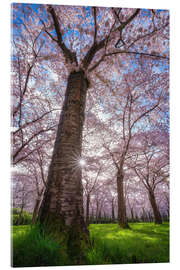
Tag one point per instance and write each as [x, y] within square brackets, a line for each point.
[82, 162]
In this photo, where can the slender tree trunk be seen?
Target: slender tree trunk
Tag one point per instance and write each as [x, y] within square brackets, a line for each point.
[87, 209]
[97, 211]
[20, 215]
[99, 215]
[143, 215]
[37, 206]
[132, 214]
[36, 209]
[149, 216]
[157, 215]
[122, 220]
[112, 207]
[62, 206]
[92, 216]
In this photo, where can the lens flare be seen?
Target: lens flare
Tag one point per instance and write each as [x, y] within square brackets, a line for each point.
[82, 162]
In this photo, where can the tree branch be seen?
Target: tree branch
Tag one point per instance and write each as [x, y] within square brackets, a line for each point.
[145, 113]
[95, 25]
[91, 53]
[123, 25]
[33, 121]
[97, 46]
[125, 52]
[70, 56]
[28, 141]
[137, 53]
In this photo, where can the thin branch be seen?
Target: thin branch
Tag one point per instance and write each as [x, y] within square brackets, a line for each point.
[33, 121]
[24, 157]
[112, 156]
[124, 113]
[138, 53]
[147, 35]
[29, 140]
[51, 36]
[95, 181]
[95, 25]
[123, 25]
[117, 14]
[125, 52]
[145, 113]
[97, 63]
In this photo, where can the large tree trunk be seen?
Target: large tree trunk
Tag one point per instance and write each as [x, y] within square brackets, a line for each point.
[122, 220]
[87, 209]
[157, 215]
[62, 206]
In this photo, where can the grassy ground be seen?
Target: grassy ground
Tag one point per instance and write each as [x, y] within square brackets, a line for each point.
[143, 243]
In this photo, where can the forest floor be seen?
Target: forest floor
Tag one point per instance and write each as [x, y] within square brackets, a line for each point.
[143, 243]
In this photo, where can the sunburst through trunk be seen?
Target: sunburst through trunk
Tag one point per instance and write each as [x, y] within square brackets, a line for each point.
[62, 206]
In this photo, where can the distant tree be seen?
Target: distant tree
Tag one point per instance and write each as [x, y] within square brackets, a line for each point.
[37, 167]
[90, 185]
[152, 168]
[22, 192]
[131, 117]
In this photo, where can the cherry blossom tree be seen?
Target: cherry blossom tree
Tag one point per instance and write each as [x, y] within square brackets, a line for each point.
[23, 190]
[86, 41]
[37, 166]
[152, 168]
[134, 106]
[33, 112]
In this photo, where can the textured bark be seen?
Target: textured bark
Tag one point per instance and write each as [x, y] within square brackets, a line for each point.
[122, 220]
[157, 215]
[62, 206]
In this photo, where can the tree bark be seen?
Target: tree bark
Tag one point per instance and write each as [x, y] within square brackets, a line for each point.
[87, 209]
[37, 206]
[122, 220]
[157, 215]
[36, 209]
[62, 206]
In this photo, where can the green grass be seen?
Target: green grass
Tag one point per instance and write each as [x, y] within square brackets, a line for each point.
[143, 243]
[26, 217]
[31, 248]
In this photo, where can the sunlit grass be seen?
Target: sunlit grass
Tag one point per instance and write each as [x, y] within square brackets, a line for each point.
[143, 243]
